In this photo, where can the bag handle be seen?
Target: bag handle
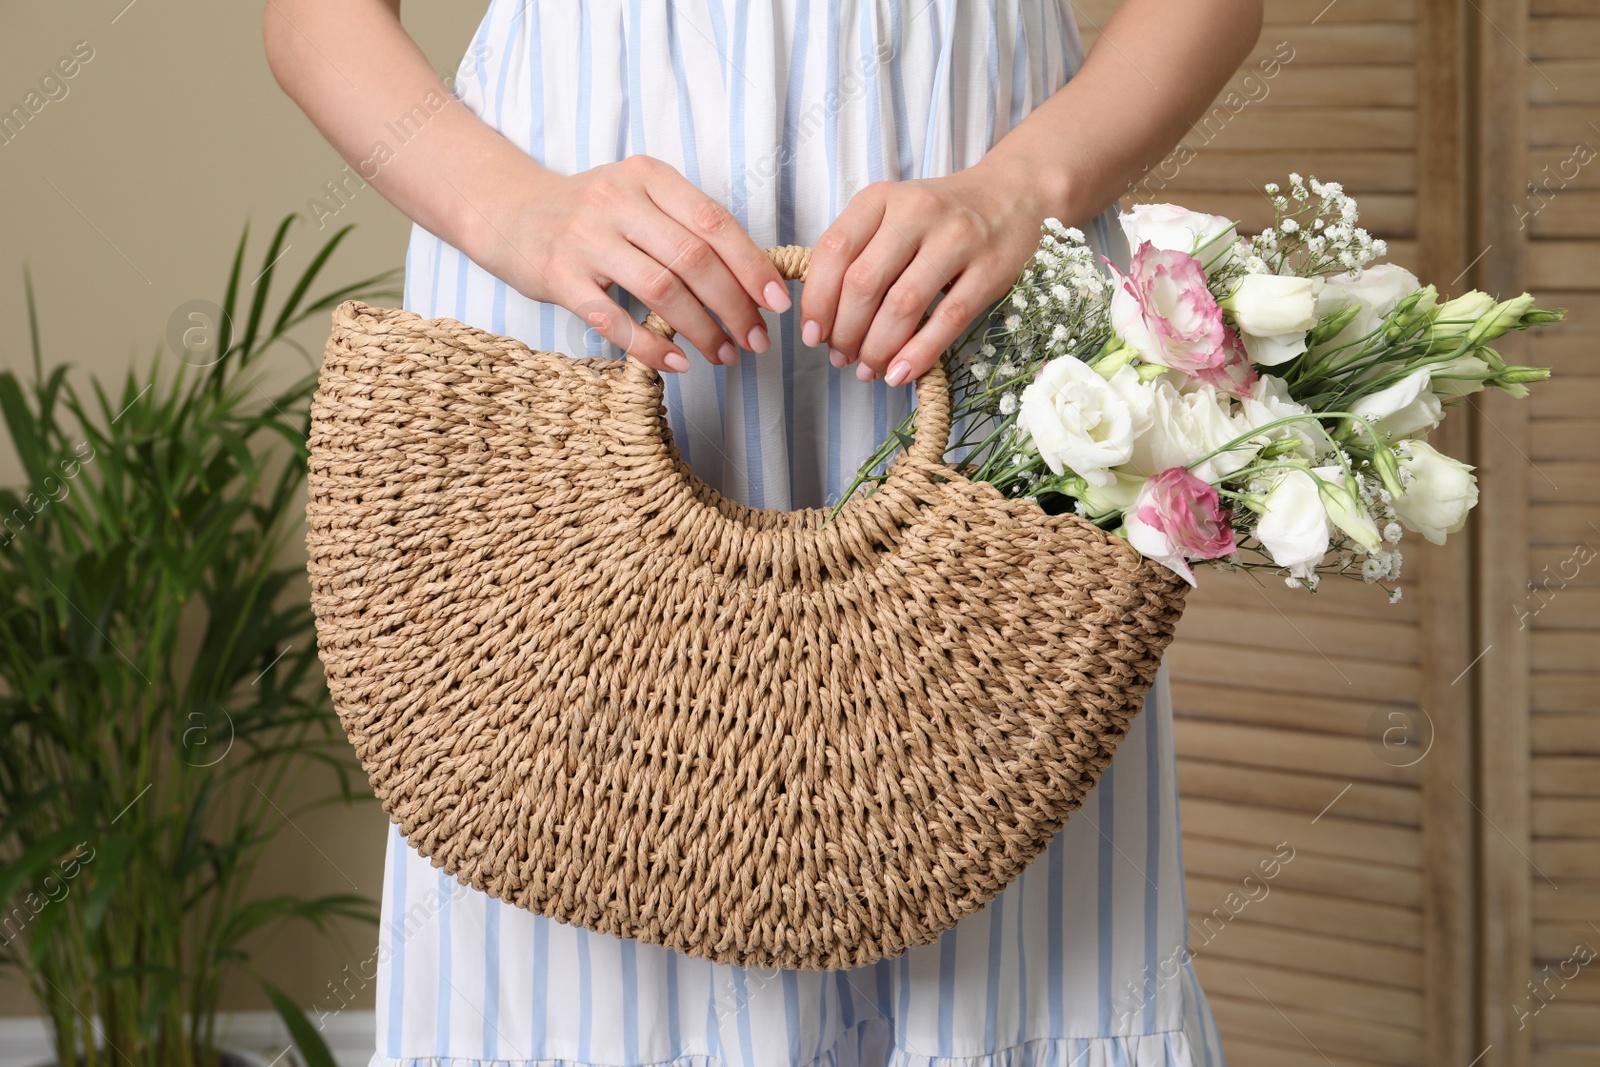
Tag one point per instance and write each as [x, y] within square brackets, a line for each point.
[932, 388]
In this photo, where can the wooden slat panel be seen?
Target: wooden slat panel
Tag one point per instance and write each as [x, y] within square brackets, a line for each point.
[1316, 954]
[1569, 399]
[1362, 173]
[1396, 805]
[1574, 900]
[1330, 1035]
[1317, 715]
[1563, 38]
[1381, 638]
[1566, 440]
[1559, 691]
[1568, 735]
[1329, 835]
[1288, 672]
[1552, 264]
[1567, 817]
[1564, 776]
[1288, 989]
[1328, 86]
[1315, 913]
[1286, 750]
[1570, 81]
[1308, 127]
[1310, 873]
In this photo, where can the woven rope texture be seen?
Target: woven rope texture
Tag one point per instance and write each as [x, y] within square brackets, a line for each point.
[584, 682]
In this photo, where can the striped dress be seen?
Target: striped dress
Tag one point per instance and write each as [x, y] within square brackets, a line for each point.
[782, 109]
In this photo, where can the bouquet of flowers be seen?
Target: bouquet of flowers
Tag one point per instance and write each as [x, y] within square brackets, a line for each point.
[1252, 402]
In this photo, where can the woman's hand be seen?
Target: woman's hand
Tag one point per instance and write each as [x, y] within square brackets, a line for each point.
[897, 245]
[560, 238]
[641, 224]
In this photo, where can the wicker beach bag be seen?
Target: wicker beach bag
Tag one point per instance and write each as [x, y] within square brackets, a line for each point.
[584, 682]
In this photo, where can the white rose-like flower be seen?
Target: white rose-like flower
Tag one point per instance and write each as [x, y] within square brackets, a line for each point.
[1185, 426]
[1081, 421]
[1293, 527]
[1118, 494]
[1267, 402]
[1273, 313]
[1405, 408]
[1168, 226]
[1441, 492]
[1345, 509]
[1471, 370]
[1376, 291]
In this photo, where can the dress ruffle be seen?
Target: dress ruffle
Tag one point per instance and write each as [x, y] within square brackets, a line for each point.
[870, 1044]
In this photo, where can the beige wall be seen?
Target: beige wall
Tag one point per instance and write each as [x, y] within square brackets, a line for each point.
[125, 197]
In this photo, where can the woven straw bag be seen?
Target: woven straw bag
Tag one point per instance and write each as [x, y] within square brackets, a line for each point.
[584, 682]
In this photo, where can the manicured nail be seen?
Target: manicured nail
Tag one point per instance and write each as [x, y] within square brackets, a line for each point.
[726, 353]
[836, 357]
[897, 372]
[863, 372]
[676, 361]
[811, 333]
[757, 339]
[777, 297]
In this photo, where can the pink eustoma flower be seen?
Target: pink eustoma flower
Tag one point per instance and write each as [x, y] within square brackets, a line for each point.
[1178, 517]
[1163, 309]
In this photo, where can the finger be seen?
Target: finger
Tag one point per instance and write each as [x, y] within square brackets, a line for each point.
[972, 292]
[903, 305]
[663, 292]
[862, 290]
[832, 254]
[611, 320]
[708, 219]
[708, 278]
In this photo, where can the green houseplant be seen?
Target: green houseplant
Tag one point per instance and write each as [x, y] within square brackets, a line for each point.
[160, 692]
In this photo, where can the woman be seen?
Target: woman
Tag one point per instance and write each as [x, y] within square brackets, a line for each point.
[600, 158]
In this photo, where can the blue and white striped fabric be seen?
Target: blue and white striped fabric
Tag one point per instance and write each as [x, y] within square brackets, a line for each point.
[782, 109]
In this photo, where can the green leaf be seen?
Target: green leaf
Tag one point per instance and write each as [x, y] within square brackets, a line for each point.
[262, 284]
[307, 276]
[307, 1041]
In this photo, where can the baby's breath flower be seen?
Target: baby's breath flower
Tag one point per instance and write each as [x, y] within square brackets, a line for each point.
[1008, 403]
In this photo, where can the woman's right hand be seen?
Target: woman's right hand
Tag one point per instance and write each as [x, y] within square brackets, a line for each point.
[352, 67]
[641, 224]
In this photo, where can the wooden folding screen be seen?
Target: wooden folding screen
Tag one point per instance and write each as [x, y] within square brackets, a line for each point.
[1335, 728]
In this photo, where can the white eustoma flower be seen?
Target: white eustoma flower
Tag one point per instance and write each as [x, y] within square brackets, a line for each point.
[1170, 227]
[1344, 508]
[1081, 421]
[1441, 492]
[1186, 425]
[1273, 313]
[1293, 527]
[1117, 494]
[1267, 402]
[1458, 376]
[1405, 408]
[1376, 291]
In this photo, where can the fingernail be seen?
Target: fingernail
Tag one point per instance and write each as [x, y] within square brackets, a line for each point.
[897, 372]
[863, 372]
[726, 354]
[810, 332]
[836, 357]
[676, 361]
[757, 339]
[777, 296]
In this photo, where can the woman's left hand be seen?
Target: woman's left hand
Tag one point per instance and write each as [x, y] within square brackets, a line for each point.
[897, 245]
